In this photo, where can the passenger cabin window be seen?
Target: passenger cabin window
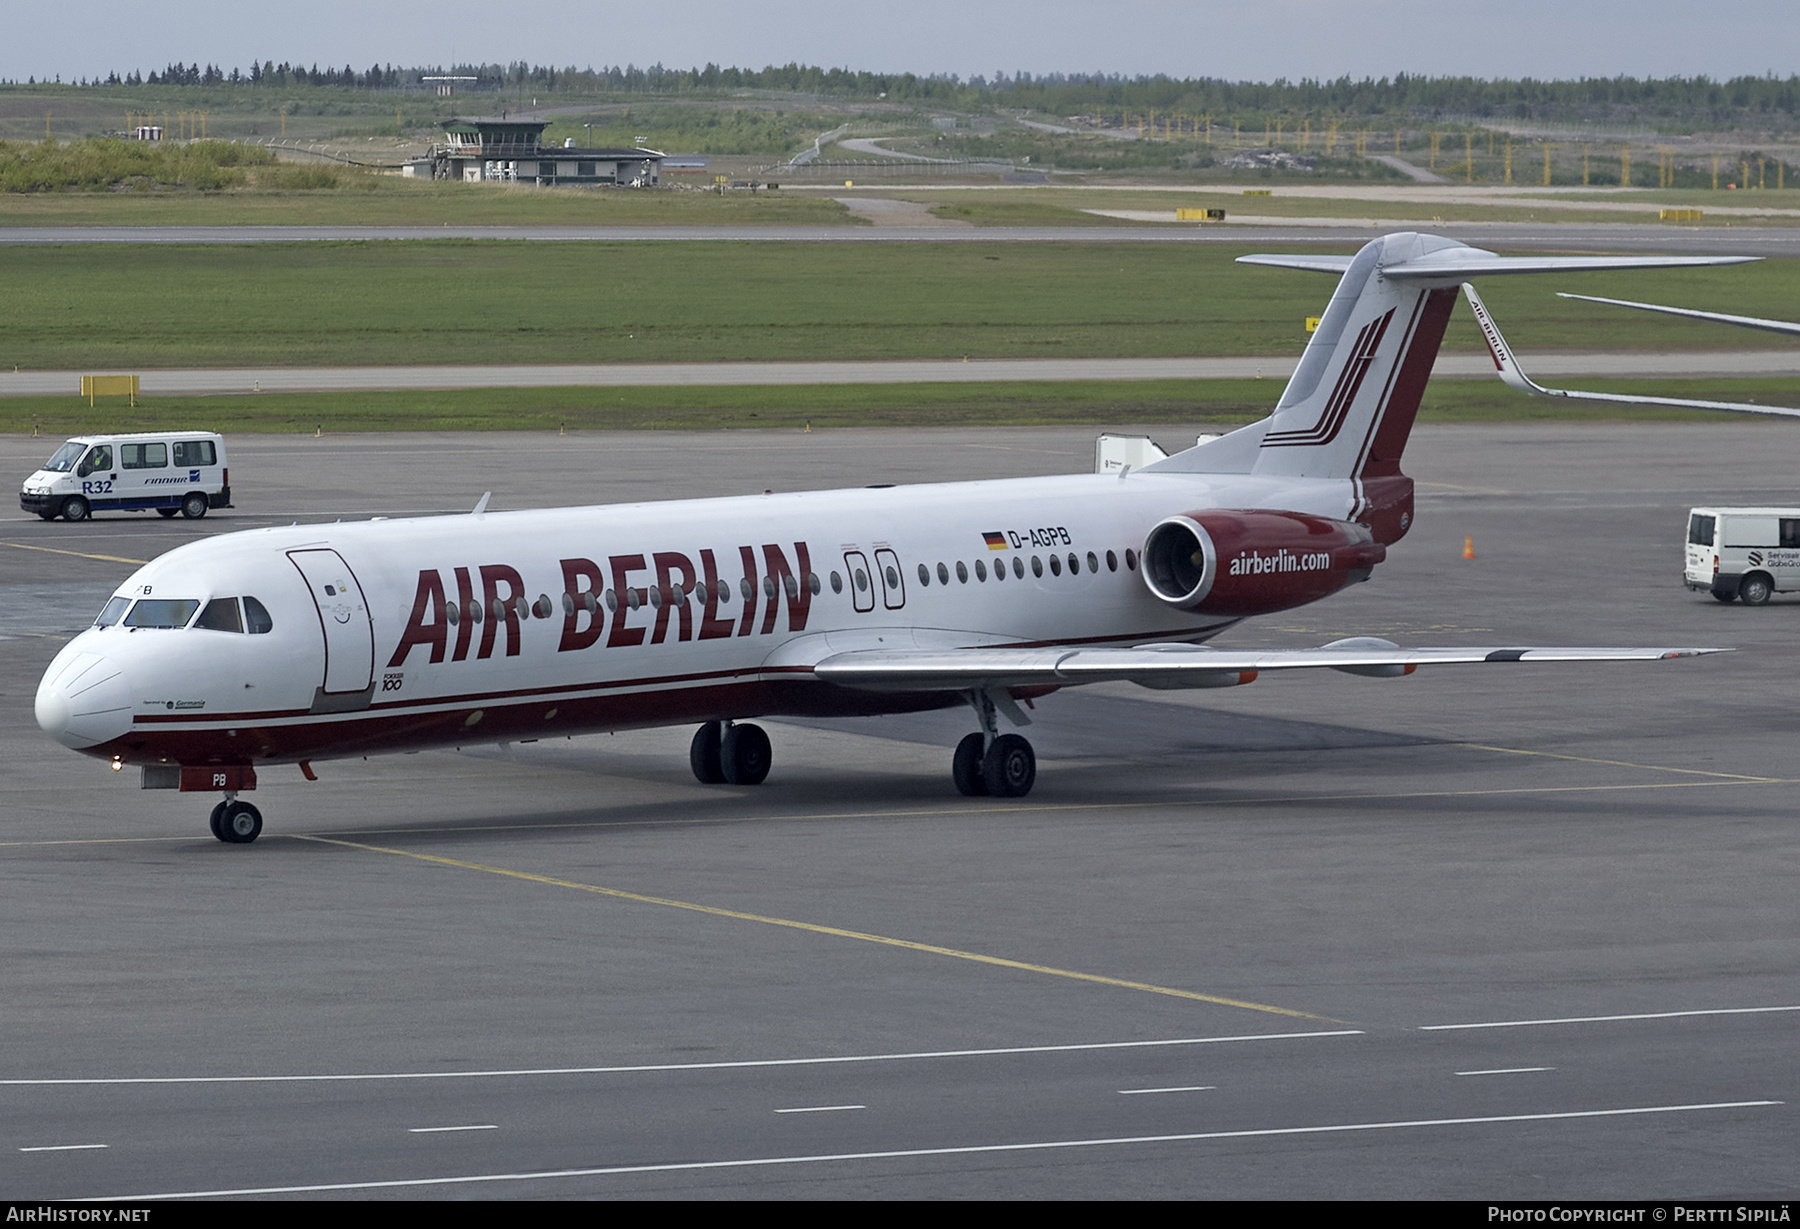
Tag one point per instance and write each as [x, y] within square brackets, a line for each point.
[194, 453]
[1700, 530]
[162, 612]
[221, 615]
[144, 456]
[1790, 532]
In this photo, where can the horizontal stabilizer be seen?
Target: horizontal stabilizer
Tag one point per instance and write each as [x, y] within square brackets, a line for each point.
[1514, 377]
[1173, 665]
[1743, 322]
[1310, 264]
[1458, 263]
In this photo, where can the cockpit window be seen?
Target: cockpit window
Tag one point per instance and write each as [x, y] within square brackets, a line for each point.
[162, 612]
[114, 608]
[221, 615]
[257, 616]
[65, 457]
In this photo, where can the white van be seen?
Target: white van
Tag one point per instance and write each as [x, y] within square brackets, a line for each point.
[171, 471]
[1743, 553]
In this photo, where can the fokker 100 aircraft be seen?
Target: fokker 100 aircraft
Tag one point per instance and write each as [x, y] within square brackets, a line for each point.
[289, 645]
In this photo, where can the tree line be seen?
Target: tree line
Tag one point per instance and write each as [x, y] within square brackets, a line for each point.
[1669, 99]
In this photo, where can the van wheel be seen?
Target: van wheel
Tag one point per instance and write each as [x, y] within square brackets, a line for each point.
[166, 513]
[193, 506]
[1755, 589]
[75, 508]
[1720, 595]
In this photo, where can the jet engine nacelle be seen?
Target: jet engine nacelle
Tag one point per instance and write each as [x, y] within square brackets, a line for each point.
[1255, 562]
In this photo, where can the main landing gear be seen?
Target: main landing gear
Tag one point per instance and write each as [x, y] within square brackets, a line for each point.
[989, 763]
[236, 823]
[730, 753]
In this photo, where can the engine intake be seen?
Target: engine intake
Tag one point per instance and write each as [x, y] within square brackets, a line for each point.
[1255, 562]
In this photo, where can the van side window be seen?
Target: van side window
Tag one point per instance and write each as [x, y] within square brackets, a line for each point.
[100, 458]
[220, 615]
[144, 456]
[257, 616]
[1700, 530]
[194, 453]
[1790, 532]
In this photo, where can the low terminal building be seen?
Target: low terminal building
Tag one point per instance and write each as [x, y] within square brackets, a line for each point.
[487, 149]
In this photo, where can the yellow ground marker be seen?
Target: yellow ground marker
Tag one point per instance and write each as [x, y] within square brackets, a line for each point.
[834, 931]
[81, 554]
[1582, 759]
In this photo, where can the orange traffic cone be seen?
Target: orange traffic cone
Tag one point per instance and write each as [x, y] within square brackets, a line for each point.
[1469, 546]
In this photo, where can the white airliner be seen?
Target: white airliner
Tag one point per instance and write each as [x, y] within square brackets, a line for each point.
[285, 646]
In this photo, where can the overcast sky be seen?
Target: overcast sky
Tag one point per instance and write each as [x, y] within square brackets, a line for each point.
[1257, 40]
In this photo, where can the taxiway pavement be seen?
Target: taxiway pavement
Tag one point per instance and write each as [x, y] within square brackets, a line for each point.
[201, 381]
[1506, 236]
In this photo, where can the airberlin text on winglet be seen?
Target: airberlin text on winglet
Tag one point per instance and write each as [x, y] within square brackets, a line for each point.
[447, 626]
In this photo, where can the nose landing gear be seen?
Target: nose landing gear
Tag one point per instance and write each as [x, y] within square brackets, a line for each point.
[236, 823]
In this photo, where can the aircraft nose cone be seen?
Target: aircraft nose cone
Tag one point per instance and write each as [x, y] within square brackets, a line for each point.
[84, 701]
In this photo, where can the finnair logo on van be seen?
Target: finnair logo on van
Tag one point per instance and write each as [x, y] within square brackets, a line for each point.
[1255, 563]
[193, 475]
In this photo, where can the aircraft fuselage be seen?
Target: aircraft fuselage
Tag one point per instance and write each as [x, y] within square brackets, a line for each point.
[392, 635]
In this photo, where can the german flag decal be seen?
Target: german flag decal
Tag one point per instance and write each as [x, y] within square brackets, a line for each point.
[995, 540]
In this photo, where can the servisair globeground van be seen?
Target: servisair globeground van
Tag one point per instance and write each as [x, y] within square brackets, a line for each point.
[1743, 553]
[171, 471]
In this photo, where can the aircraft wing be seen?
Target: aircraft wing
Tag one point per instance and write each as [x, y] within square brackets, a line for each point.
[1175, 666]
[1514, 376]
[1746, 322]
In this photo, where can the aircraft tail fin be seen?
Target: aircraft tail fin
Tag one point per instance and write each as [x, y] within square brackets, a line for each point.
[1350, 404]
[1349, 408]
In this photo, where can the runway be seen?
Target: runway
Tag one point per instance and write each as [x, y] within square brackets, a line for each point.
[1479, 934]
[1720, 363]
[1504, 236]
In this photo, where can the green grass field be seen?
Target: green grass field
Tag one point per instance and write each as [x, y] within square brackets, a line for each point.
[387, 200]
[1099, 404]
[98, 308]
